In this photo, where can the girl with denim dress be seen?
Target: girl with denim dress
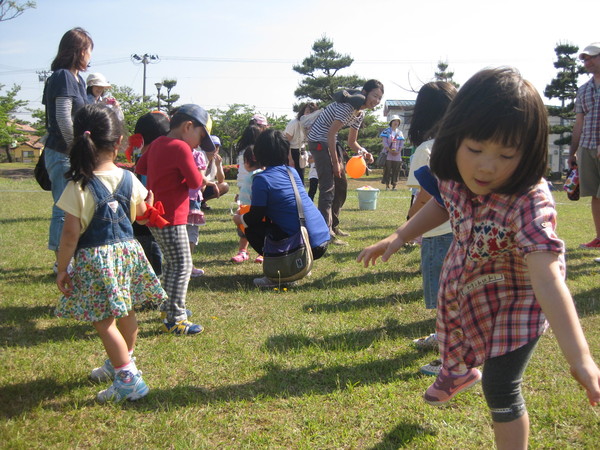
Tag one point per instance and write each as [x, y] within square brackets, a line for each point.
[111, 272]
[503, 275]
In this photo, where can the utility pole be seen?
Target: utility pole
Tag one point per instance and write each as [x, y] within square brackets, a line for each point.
[43, 75]
[144, 59]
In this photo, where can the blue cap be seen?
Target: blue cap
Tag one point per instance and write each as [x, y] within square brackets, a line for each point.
[198, 113]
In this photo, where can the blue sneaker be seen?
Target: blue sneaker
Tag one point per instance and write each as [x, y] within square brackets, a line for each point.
[103, 373]
[106, 372]
[181, 327]
[126, 386]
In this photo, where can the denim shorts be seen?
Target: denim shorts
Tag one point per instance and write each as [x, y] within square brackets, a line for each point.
[433, 253]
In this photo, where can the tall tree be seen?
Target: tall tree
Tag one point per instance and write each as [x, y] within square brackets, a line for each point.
[443, 74]
[320, 71]
[169, 99]
[564, 88]
[9, 105]
[12, 9]
[132, 105]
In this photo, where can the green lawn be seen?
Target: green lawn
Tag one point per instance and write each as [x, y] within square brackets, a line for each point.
[325, 364]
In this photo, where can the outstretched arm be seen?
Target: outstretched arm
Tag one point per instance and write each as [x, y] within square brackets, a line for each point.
[556, 302]
[430, 216]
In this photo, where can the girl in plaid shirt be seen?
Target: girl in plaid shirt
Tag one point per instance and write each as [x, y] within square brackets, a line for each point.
[504, 272]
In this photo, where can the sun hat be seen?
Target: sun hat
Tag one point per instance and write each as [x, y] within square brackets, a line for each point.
[395, 117]
[97, 79]
[199, 114]
[591, 50]
[259, 119]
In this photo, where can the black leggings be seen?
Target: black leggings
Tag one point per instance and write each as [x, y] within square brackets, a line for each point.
[501, 383]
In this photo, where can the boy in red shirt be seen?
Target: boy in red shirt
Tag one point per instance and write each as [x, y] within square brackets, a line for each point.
[171, 173]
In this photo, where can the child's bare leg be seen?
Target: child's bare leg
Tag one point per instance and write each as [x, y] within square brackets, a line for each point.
[113, 341]
[129, 329]
[512, 435]
[243, 245]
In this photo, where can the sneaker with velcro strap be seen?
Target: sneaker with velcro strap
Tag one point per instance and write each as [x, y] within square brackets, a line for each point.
[181, 327]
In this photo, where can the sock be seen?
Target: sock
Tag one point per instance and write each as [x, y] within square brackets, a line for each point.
[129, 367]
[130, 353]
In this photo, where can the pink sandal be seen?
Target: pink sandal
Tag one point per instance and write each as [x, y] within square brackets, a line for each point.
[240, 257]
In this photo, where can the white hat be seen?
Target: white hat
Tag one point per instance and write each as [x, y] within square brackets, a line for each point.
[395, 117]
[97, 79]
[591, 50]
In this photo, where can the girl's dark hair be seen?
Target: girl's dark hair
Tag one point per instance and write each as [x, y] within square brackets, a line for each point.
[71, 48]
[303, 107]
[271, 148]
[96, 130]
[372, 84]
[432, 102]
[152, 125]
[249, 157]
[495, 105]
[248, 138]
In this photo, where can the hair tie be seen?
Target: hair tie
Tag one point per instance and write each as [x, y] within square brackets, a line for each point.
[87, 133]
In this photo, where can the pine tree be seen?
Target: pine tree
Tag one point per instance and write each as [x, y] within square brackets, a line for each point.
[564, 88]
[444, 75]
[320, 72]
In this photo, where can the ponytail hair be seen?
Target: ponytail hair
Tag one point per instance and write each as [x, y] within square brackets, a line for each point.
[96, 130]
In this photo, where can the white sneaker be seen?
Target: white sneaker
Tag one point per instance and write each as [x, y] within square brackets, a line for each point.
[125, 386]
[427, 342]
[433, 368]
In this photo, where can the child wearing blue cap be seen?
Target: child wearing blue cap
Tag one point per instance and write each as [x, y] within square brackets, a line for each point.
[171, 172]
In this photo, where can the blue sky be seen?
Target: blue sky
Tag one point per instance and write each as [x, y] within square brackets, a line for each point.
[237, 51]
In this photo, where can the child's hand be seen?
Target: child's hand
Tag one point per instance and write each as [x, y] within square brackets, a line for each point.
[237, 219]
[588, 375]
[150, 198]
[64, 283]
[384, 248]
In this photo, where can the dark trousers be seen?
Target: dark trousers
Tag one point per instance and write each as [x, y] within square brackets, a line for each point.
[256, 238]
[312, 188]
[296, 159]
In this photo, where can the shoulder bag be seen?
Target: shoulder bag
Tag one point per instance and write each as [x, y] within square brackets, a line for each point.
[289, 259]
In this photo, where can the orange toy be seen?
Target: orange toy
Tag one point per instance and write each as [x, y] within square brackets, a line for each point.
[356, 167]
[243, 209]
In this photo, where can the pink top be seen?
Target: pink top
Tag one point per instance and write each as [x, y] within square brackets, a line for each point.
[486, 304]
[171, 172]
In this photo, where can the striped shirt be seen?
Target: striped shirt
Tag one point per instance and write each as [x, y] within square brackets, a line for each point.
[486, 304]
[588, 104]
[344, 112]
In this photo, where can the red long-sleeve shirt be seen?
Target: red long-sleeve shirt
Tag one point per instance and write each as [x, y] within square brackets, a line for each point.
[171, 172]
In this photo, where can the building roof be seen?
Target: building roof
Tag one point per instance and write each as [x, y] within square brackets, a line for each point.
[406, 105]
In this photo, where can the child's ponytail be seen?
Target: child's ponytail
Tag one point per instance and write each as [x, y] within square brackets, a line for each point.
[96, 130]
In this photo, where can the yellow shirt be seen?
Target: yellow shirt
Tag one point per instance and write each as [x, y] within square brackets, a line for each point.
[80, 203]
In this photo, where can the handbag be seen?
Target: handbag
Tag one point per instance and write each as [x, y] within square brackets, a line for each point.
[289, 259]
[381, 159]
[41, 174]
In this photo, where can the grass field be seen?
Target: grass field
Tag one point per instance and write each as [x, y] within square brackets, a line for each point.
[325, 364]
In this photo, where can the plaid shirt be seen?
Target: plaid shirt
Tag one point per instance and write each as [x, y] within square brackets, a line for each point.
[486, 304]
[588, 104]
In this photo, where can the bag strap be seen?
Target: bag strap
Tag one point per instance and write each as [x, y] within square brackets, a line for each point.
[298, 201]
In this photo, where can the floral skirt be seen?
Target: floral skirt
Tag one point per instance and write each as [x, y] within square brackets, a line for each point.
[108, 280]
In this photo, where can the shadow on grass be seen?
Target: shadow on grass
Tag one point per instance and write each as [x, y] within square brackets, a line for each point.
[23, 277]
[279, 382]
[402, 435]
[588, 302]
[19, 327]
[364, 303]
[18, 398]
[355, 340]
